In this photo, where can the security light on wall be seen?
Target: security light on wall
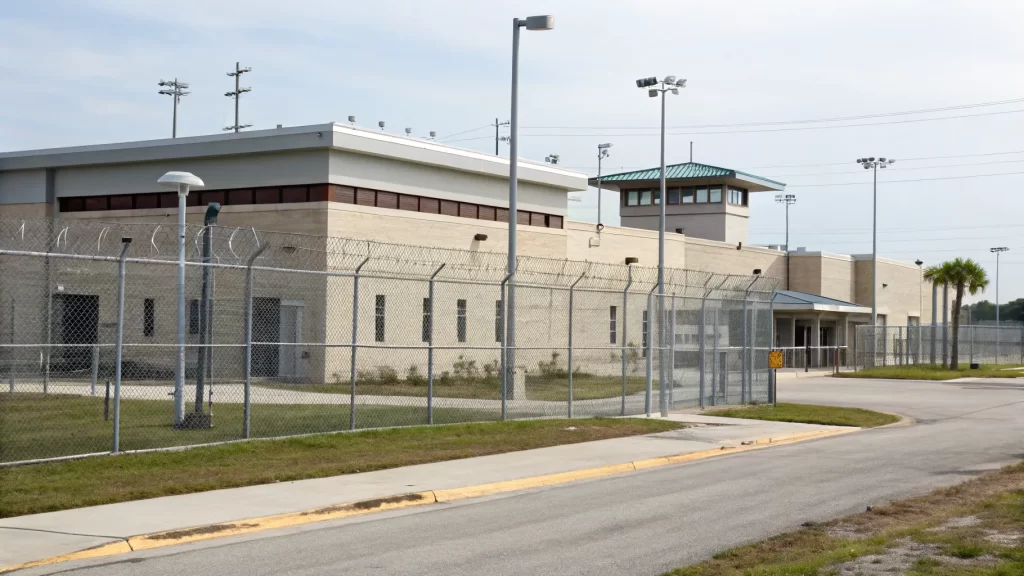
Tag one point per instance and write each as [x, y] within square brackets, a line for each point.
[381, 124]
[757, 271]
[408, 131]
[352, 120]
[480, 237]
[631, 260]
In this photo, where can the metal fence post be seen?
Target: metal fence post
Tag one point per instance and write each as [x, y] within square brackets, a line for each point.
[505, 371]
[625, 330]
[10, 367]
[430, 345]
[672, 360]
[772, 374]
[700, 344]
[95, 369]
[753, 350]
[249, 289]
[714, 361]
[119, 344]
[743, 351]
[945, 324]
[355, 340]
[971, 353]
[572, 289]
[649, 352]
[935, 313]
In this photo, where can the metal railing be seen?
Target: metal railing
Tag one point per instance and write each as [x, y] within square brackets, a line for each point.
[289, 334]
[933, 345]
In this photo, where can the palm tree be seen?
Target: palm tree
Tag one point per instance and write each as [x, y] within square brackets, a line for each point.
[962, 275]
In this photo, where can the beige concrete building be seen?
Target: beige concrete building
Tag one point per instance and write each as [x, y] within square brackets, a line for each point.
[338, 180]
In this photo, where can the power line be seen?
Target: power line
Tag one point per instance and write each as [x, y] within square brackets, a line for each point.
[900, 169]
[784, 122]
[844, 231]
[905, 180]
[466, 132]
[648, 134]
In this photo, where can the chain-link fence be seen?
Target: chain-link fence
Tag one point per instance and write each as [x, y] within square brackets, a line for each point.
[933, 345]
[285, 334]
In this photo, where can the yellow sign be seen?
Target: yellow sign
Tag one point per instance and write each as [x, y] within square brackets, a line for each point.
[775, 359]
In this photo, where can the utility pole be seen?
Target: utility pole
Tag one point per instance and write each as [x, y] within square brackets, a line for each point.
[175, 89]
[788, 200]
[236, 94]
[497, 137]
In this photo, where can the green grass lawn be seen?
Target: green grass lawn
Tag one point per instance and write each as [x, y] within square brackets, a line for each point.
[810, 414]
[36, 426]
[61, 485]
[974, 529]
[538, 387]
[934, 372]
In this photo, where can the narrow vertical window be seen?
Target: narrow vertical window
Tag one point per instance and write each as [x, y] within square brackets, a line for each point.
[611, 324]
[379, 317]
[644, 343]
[193, 317]
[425, 331]
[460, 320]
[498, 321]
[148, 317]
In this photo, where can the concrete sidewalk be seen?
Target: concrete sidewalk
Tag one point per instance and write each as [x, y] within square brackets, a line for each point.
[39, 536]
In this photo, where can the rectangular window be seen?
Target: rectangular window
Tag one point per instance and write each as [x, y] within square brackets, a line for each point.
[633, 198]
[702, 195]
[673, 195]
[460, 319]
[657, 197]
[738, 196]
[425, 330]
[645, 197]
[687, 195]
[378, 328]
[148, 317]
[612, 329]
[193, 317]
[643, 344]
[716, 195]
[498, 321]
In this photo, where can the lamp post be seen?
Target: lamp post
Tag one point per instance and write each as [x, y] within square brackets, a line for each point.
[997, 251]
[655, 88]
[530, 23]
[873, 165]
[788, 200]
[602, 153]
[920, 305]
[180, 181]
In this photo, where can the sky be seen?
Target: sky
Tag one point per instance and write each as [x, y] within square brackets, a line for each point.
[761, 76]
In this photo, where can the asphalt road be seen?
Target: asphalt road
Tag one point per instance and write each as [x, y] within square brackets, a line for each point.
[652, 521]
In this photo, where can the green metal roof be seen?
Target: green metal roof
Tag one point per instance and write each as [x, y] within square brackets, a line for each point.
[690, 170]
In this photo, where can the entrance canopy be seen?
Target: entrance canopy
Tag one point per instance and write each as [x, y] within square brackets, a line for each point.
[791, 300]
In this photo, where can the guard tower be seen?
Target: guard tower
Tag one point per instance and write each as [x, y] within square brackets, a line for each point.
[703, 201]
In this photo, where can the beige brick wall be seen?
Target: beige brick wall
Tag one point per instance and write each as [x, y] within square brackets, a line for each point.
[904, 294]
[829, 275]
[723, 258]
[613, 245]
[38, 210]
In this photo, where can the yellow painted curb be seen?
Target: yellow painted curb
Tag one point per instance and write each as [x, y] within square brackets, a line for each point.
[534, 482]
[119, 547]
[249, 526]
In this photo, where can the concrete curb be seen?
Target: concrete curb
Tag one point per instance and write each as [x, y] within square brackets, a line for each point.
[398, 501]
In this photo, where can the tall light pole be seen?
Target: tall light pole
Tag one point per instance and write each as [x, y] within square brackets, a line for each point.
[237, 96]
[920, 305]
[175, 89]
[873, 165]
[180, 181]
[788, 200]
[530, 23]
[997, 251]
[655, 88]
[602, 153]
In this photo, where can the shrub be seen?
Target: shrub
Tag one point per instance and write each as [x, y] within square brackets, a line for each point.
[387, 375]
[413, 376]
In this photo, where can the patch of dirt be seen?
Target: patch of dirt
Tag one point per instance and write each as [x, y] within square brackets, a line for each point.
[907, 554]
[844, 531]
[366, 504]
[953, 523]
[1009, 539]
[212, 529]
